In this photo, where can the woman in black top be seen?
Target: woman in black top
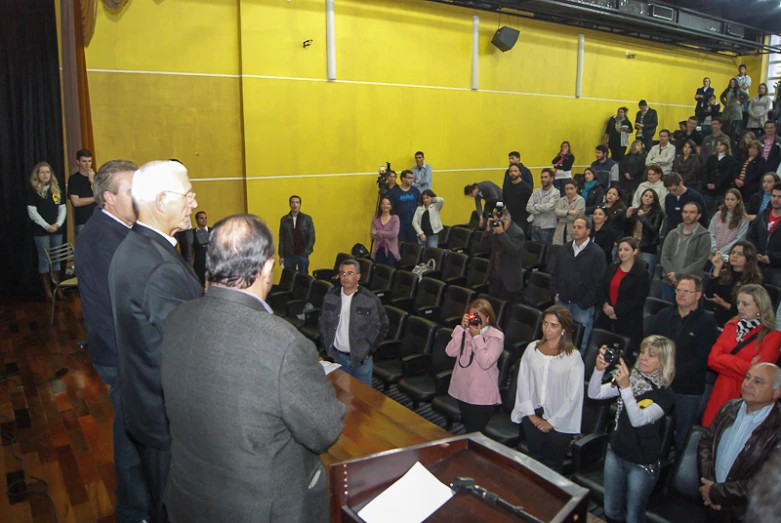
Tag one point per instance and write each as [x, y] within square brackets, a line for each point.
[687, 164]
[702, 96]
[562, 166]
[632, 461]
[592, 191]
[617, 129]
[722, 284]
[46, 208]
[616, 211]
[601, 233]
[643, 225]
[625, 287]
[718, 173]
[749, 171]
[631, 170]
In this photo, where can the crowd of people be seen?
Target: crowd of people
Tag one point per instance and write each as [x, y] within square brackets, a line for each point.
[188, 447]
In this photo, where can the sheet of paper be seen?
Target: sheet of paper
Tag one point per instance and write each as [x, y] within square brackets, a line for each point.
[413, 498]
[329, 367]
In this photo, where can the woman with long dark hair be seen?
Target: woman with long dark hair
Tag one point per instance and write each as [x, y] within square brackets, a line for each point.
[622, 295]
[615, 208]
[643, 225]
[631, 169]
[748, 172]
[477, 344]
[562, 166]
[718, 171]
[730, 224]
[591, 191]
[385, 233]
[732, 99]
[549, 397]
[426, 220]
[601, 233]
[687, 164]
[746, 340]
[632, 462]
[758, 109]
[725, 279]
[617, 132]
[46, 208]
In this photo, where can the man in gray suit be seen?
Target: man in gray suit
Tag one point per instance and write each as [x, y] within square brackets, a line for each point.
[249, 406]
[486, 191]
[506, 242]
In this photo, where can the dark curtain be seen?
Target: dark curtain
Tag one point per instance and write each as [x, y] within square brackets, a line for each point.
[30, 130]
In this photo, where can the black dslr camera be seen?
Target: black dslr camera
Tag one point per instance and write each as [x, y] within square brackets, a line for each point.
[382, 179]
[498, 215]
[612, 354]
[474, 319]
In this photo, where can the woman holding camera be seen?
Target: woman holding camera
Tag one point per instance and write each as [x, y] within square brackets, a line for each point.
[477, 344]
[426, 221]
[385, 233]
[549, 398]
[632, 459]
[724, 279]
[746, 340]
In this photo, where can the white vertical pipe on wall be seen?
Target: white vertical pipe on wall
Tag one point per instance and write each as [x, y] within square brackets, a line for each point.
[581, 55]
[330, 41]
[475, 51]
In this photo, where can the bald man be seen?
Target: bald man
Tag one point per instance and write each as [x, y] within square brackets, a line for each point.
[147, 280]
[743, 436]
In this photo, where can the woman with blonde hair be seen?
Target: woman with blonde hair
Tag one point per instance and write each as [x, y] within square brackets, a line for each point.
[746, 340]
[46, 208]
[476, 344]
[549, 397]
[632, 461]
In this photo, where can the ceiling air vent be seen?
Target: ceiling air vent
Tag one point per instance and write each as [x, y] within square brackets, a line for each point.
[662, 12]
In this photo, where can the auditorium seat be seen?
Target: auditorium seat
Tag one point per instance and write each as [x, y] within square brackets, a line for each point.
[601, 337]
[410, 253]
[501, 428]
[297, 312]
[538, 290]
[429, 294]
[453, 269]
[500, 307]
[285, 281]
[428, 375]
[454, 305]
[405, 285]
[459, 239]
[475, 248]
[588, 454]
[682, 500]
[446, 404]
[524, 325]
[382, 279]
[302, 286]
[444, 237]
[651, 308]
[417, 338]
[580, 332]
[367, 269]
[774, 293]
[329, 274]
[533, 255]
[477, 274]
[430, 253]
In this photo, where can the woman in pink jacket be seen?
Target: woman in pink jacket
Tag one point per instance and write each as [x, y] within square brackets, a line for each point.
[477, 344]
[385, 233]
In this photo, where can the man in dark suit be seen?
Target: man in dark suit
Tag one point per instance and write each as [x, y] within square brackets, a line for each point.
[200, 245]
[95, 246]
[147, 280]
[249, 406]
[646, 123]
[506, 243]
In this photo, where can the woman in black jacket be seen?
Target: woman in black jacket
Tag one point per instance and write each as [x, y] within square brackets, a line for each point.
[748, 174]
[601, 233]
[592, 191]
[615, 208]
[562, 166]
[617, 129]
[631, 169]
[719, 170]
[622, 295]
[687, 164]
[722, 283]
[643, 225]
[761, 199]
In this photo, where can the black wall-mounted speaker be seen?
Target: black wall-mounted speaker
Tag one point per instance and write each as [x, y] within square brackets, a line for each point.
[505, 38]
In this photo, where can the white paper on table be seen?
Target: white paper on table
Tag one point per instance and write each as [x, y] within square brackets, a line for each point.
[329, 367]
[413, 498]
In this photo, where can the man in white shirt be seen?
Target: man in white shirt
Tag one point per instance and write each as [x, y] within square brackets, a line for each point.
[663, 154]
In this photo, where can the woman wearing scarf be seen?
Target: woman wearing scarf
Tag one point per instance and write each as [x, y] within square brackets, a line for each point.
[562, 165]
[592, 191]
[617, 132]
[645, 398]
[746, 340]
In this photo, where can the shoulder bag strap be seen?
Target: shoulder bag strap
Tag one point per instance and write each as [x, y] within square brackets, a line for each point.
[743, 343]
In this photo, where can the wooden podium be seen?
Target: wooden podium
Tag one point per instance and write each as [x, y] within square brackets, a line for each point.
[515, 477]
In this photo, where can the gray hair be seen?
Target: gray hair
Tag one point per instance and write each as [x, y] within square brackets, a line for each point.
[153, 178]
[353, 262]
[776, 373]
[106, 178]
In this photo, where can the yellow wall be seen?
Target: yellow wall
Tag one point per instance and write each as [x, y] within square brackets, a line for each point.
[404, 73]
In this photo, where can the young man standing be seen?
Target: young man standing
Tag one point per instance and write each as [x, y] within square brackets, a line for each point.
[663, 154]
[405, 198]
[606, 168]
[685, 250]
[541, 208]
[765, 235]
[421, 173]
[771, 147]
[296, 238]
[515, 195]
[646, 122]
[80, 190]
[679, 195]
[200, 245]
[526, 175]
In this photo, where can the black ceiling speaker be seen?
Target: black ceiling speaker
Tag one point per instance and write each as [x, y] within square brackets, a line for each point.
[505, 38]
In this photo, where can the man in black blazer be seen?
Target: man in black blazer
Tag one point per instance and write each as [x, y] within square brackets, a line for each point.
[249, 405]
[95, 246]
[646, 122]
[147, 280]
[506, 243]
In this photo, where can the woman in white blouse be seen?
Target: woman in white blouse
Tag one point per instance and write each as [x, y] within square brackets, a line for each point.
[549, 398]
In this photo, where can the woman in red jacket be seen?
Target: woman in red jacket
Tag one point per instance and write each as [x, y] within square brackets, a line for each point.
[747, 339]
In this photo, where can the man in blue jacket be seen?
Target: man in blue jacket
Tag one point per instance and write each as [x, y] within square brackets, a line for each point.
[95, 246]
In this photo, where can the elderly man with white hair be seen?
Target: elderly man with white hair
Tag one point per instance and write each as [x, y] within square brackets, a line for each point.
[147, 280]
[743, 436]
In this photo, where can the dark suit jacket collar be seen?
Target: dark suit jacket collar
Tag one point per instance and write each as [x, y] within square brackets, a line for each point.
[154, 236]
[108, 221]
[224, 293]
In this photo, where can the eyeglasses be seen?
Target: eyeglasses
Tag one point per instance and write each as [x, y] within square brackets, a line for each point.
[684, 291]
[347, 273]
[190, 196]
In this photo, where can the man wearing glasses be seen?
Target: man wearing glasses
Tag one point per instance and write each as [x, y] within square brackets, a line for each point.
[764, 234]
[353, 323]
[694, 332]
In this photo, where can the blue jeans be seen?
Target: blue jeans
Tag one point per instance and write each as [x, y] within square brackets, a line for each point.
[687, 408]
[362, 373]
[583, 316]
[650, 260]
[384, 259]
[627, 488]
[300, 261]
[668, 292]
[542, 235]
[432, 241]
[46, 242]
[132, 497]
